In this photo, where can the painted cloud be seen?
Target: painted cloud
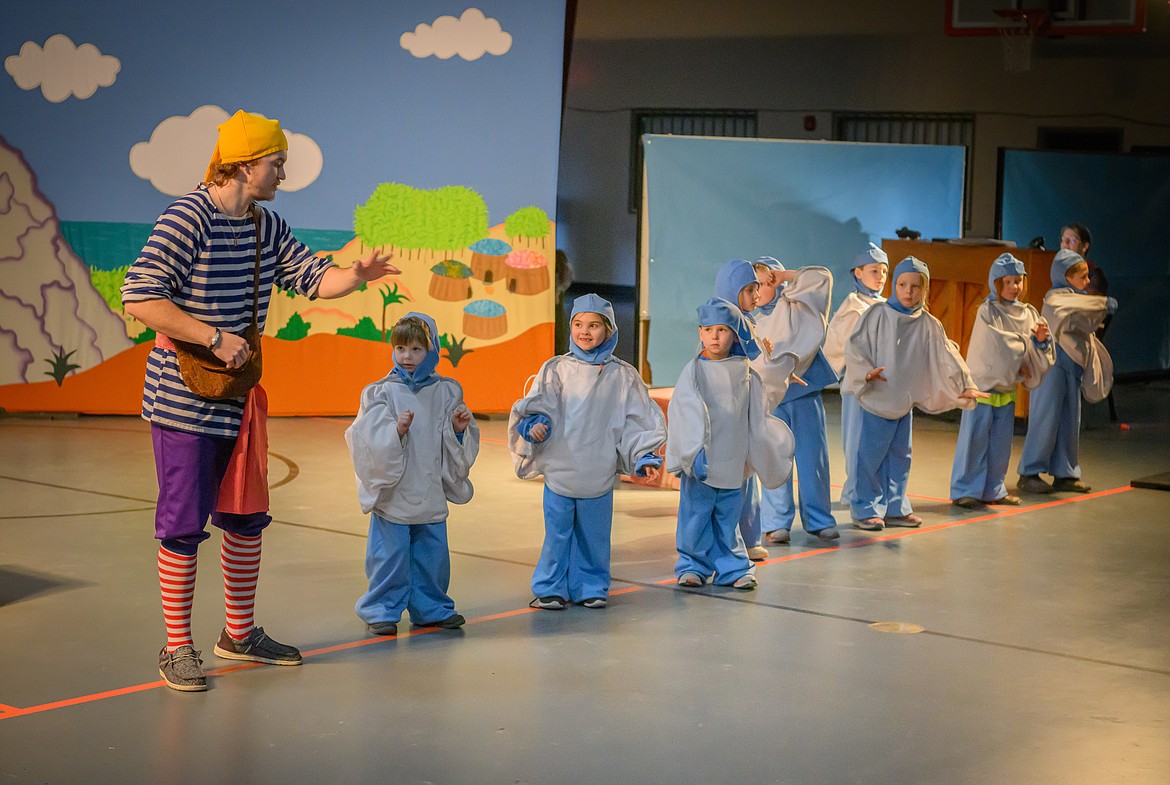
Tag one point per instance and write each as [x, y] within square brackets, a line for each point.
[470, 36]
[62, 69]
[175, 159]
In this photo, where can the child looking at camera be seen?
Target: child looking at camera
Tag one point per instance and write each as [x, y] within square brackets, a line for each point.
[412, 443]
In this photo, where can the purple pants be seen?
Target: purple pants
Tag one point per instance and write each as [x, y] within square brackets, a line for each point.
[190, 467]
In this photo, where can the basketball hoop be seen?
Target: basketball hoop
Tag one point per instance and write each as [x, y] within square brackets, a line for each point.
[1019, 36]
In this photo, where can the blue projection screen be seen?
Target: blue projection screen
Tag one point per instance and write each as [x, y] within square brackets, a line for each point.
[1124, 200]
[708, 200]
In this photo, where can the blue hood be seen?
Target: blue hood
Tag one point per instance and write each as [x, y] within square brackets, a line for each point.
[772, 263]
[732, 277]
[871, 255]
[908, 265]
[591, 303]
[719, 311]
[1064, 260]
[424, 375]
[1002, 267]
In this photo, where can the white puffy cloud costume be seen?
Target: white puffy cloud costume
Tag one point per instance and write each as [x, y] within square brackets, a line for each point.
[720, 432]
[1002, 354]
[601, 423]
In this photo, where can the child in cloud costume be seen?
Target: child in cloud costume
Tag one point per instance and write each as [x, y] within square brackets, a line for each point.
[405, 482]
[1009, 345]
[872, 265]
[721, 433]
[1083, 366]
[897, 358]
[587, 419]
[794, 320]
[736, 283]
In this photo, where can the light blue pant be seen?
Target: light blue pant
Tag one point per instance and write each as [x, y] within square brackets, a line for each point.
[750, 523]
[409, 568]
[806, 418]
[982, 452]
[708, 539]
[882, 472]
[574, 562]
[850, 431]
[1052, 445]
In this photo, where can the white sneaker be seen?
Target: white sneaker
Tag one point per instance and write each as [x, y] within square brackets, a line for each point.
[747, 582]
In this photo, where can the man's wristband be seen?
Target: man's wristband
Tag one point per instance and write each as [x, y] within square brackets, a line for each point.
[216, 340]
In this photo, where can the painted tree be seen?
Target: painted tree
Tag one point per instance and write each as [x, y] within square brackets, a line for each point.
[383, 219]
[445, 219]
[531, 223]
[390, 296]
[456, 217]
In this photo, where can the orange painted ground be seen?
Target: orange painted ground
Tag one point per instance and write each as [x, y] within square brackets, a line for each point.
[319, 375]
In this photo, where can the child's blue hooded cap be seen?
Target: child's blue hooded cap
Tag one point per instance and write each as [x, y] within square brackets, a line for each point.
[772, 263]
[908, 265]
[424, 374]
[871, 255]
[591, 303]
[1064, 260]
[1003, 266]
[720, 311]
[732, 277]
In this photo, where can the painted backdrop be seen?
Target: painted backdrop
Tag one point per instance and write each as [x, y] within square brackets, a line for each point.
[423, 128]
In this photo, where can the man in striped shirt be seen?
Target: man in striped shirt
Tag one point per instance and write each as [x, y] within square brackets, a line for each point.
[195, 281]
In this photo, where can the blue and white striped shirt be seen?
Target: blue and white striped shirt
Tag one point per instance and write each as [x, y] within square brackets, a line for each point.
[204, 262]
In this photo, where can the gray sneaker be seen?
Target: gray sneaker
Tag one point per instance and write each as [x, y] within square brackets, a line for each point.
[257, 647]
[182, 669]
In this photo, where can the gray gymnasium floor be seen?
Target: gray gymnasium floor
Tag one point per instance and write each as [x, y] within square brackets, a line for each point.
[1045, 654]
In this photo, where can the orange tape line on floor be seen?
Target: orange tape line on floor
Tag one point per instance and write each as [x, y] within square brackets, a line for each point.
[10, 712]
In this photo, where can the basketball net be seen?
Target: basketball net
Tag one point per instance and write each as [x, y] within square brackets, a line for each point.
[1019, 37]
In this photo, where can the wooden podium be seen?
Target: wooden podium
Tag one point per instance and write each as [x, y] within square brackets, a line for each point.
[958, 283]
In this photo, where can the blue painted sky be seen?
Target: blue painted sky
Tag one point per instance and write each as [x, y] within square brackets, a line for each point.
[333, 71]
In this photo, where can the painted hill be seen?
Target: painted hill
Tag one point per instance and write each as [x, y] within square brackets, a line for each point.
[307, 377]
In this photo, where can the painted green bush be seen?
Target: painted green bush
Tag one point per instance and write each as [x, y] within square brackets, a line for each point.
[61, 365]
[108, 284]
[295, 329]
[455, 350]
[364, 329]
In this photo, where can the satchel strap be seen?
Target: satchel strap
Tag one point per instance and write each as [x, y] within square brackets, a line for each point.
[256, 281]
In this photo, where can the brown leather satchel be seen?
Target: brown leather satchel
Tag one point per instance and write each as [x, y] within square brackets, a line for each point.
[209, 377]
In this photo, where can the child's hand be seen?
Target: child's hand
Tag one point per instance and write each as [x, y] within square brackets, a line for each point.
[538, 432]
[651, 473]
[1041, 331]
[405, 418]
[971, 394]
[767, 345]
[461, 420]
[794, 379]
[876, 375]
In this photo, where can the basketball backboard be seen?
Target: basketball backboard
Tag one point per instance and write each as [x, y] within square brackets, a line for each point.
[1064, 17]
